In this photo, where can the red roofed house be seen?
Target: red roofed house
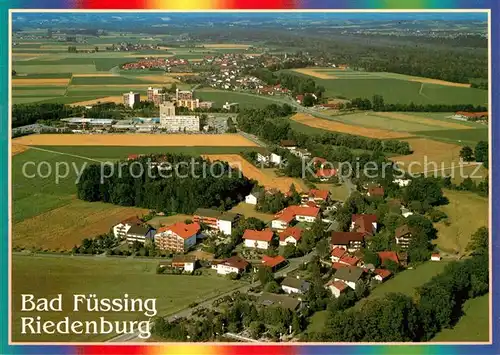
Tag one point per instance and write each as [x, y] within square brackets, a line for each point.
[316, 196]
[178, 237]
[388, 255]
[337, 253]
[300, 213]
[134, 156]
[435, 257]
[291, 235]
[273, 262]
[121, 229]
[325, 174]
[337, 266]
[375, 192]
[364, 223]
[234, 264]
[350, 241]
[336, 288]
[382, 274]
[349, 260]
[258, 239]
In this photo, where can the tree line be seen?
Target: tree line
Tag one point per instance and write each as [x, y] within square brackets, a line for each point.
[188, 187]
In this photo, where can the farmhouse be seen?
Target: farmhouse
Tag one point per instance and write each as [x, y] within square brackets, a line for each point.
[300, 213]
[364, 223]
[178, 237]
[350, 275]
[283, 301]
[258, 239]
[290, 235]
[288, 144]
[273, 262]
[183, 262]
[221, 221]
[121, 229]
[139, 234]
[295, 285]
[253, 197]
[350, 241]
[336, 288]
[403, 236]
[234, 264]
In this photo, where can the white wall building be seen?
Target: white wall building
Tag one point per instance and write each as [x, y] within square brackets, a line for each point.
[131, 98]
[173, 123]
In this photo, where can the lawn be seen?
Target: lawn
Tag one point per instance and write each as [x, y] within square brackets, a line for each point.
[407, 281]
[317, 322]
[337, 192]
[373, 120]
[248, 210]
[461, 136]
[53, 68]
[220, 97]
[159, 221]
[466, 213]
[473, 326]
[107, 278]
[106, 80]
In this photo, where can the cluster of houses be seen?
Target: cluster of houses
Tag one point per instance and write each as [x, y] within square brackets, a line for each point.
[155, 62]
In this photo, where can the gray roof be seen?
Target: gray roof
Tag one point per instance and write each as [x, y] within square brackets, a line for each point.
[271, 299]
[299, 284]
[228, 216]
[351, 273]
[139, 230]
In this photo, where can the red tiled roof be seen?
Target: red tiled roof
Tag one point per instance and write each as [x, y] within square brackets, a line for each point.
[338, 265]
[272, 262]
[326, 173]
[182, 229]
[343, 238]
[235, 261]
[265, 235]
[132, 220]
[289, 213]
[339, 285]
[437, 255]
[322, 194]
[310, 204]
[376, 191]
[388, 255]
[383, 273]
[338, 252]
[294, 232]
[363, 223]
[472, 114]
[349, 260]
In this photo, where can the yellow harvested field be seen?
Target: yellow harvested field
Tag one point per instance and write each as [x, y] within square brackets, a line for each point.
[93, 75]
[67, 226]
[440, 82]
[114, 99]
[35, 82]
[181, 74]
[18, 148]
[269, 181]
[226, 45]
[315, 73]
[333, 126]
[137, 140]
[422, 120]
[426, 152]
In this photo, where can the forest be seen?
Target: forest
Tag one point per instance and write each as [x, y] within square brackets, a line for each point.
[191, 183]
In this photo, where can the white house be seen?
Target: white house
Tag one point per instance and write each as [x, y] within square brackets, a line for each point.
[234, 264]
[300, 213]
[184, 262]
[276, 159]
[294, 285]
[290, 235]
[435, 257]
[349, 275]
[121, 229]
[336, 288]
[258, 239]
[252, 198]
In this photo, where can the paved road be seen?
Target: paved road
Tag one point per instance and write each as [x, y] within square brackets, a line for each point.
[186, 312]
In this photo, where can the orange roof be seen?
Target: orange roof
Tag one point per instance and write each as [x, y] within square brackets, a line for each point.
[349, 260]
[290, 212]
[310, 204]
[272, 261]
[322, 194]
[363, 223]
[376, 191]
[338, 265]
[339, 285]
[294, 232]
[388, 255]
[265, 235]
[338, 252]
[182, 229]
[383, 273]
[326, 173]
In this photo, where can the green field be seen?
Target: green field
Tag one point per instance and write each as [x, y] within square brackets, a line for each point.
[395, 89]
[106, 80]
[220, 97]
[39, 69]
[317, 322]
[473, 326]
[462, 136]
[107, 278]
